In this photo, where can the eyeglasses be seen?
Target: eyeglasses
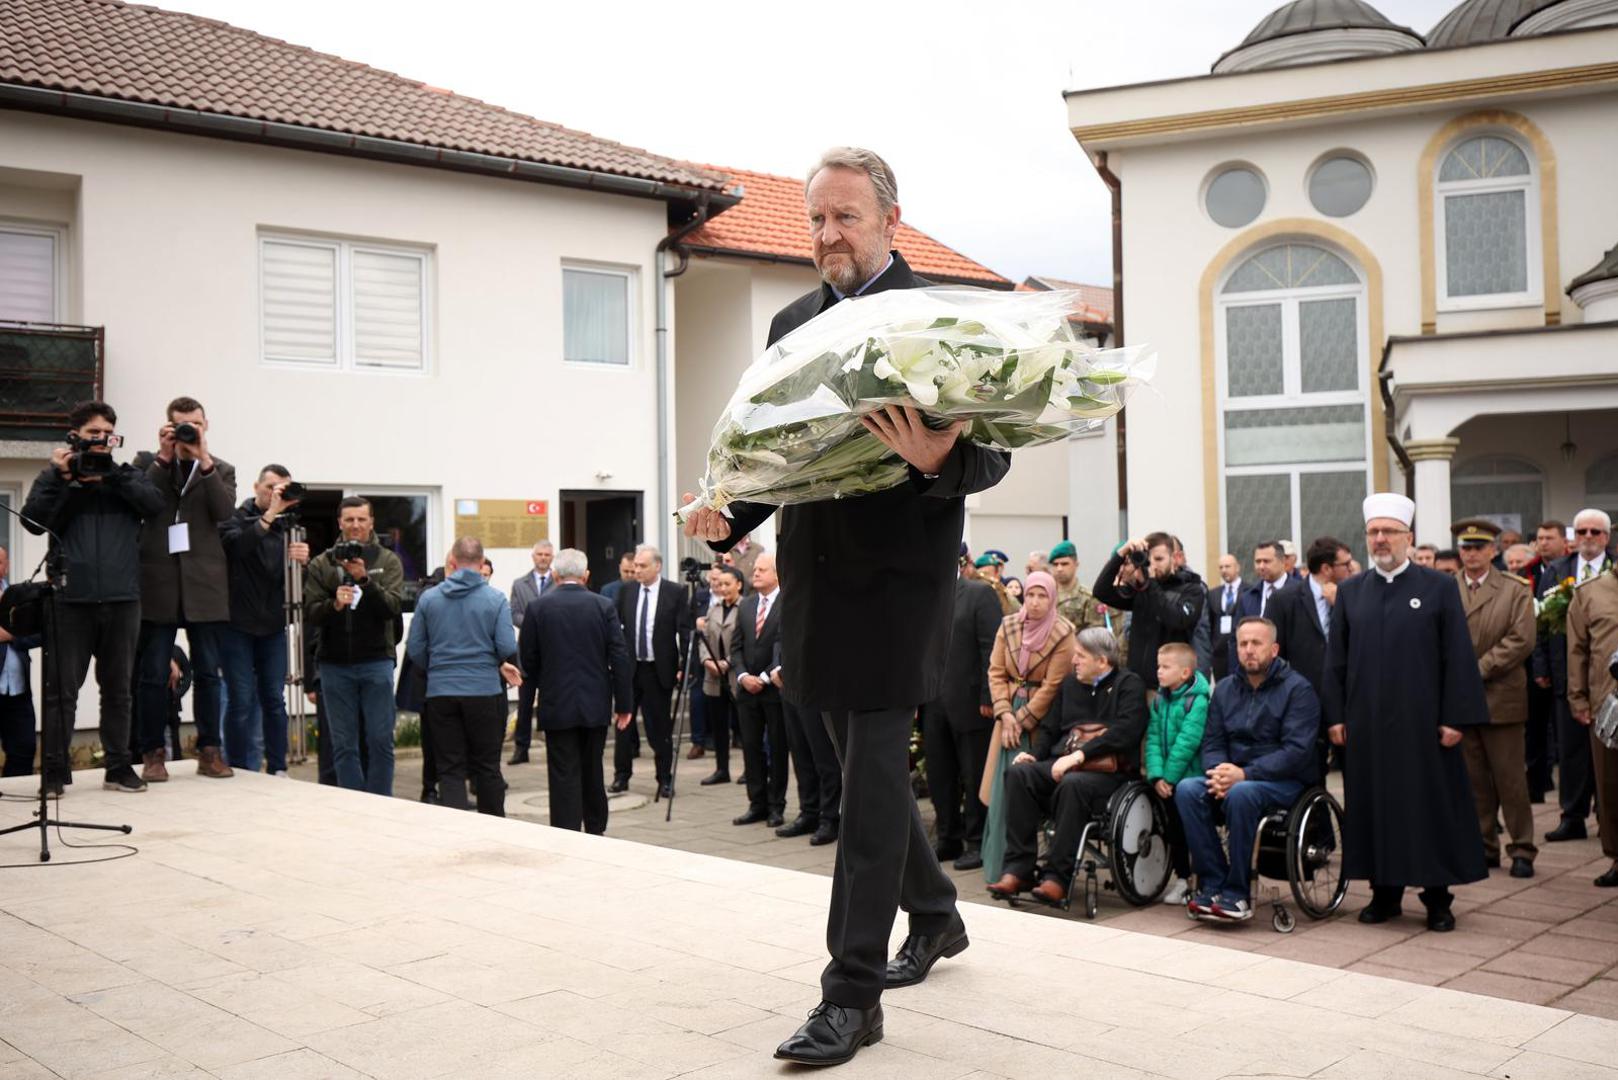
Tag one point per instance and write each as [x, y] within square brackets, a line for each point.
[1589, 532]
[1378, 534]
[1344, 565]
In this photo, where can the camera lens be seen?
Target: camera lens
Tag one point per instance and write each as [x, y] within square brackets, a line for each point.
[186, 433]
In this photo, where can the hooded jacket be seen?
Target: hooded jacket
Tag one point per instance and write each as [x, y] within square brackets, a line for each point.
[1174, 733]
[99, 525]
[461, 635]
[1269, 731]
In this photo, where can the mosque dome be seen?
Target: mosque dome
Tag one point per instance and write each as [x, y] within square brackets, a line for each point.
[1310, 31]
[1474, 22]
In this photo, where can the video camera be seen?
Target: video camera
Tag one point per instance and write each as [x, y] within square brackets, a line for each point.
[347, 550]
[92, 457]
[692, 571]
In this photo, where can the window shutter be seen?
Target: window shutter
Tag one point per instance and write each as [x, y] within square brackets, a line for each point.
[595, 317]
[388, 323]
[300, 302]
[27, 277]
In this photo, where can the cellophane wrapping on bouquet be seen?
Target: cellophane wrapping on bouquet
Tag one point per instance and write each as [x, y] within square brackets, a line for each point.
[1008, 364]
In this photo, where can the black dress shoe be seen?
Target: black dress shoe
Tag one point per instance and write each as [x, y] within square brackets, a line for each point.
[715, 778]
[1374, 916]
[948, 850]
[775, 821]
[1441, 921]
[920, 952]
[1609, 880]
[742, 779]
[832, 1035]
[800, 826]
[971, 859]
[1491, 862]
[825, 834]
[617, 786]
[752, 817]
[1568, 830]
[665, 791]
[519, 758]
[1522, 867]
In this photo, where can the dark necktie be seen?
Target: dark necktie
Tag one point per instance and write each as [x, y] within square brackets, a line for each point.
[642, 636]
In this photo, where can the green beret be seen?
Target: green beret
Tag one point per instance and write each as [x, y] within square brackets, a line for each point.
[1064, 550]
[986, 560]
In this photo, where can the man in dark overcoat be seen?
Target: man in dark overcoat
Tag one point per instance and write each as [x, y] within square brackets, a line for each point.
[871, 590]
[1401, 686]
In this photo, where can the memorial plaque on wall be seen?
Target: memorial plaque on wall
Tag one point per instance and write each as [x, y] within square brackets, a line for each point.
[504, 523]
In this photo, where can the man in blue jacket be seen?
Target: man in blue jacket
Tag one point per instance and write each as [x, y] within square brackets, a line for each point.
[462, 636]
[1258, 752]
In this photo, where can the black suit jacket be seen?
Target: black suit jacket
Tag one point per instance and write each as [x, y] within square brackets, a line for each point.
[753, 653]
[572, 647]
[671, 628]
[872, 578]
[971, 646]
[1216, 611]
[1298, 631]
[1249, 605]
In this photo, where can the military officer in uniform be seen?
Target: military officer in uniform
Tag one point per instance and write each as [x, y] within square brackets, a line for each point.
[1074, 602]
[1400, 686]
[1592, 649]
[1500, 618]
[988, 568]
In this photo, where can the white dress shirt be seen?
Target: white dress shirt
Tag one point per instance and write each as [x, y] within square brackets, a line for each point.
[1321, 606]
[648, 595]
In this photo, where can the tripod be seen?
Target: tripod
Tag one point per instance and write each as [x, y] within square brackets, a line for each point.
[292, 604]
[39, 603]
[679, 699]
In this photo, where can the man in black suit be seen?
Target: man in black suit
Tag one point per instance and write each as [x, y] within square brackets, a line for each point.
[754, 662]
[572, 646]
[1302, 615]
[524, 591]
[815, 767]
[16, 691]
[657, 626]
[956, 729]
[870, 587]
[1269, 564]
[1221, 607]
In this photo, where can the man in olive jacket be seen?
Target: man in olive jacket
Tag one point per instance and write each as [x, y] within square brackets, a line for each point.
[184, 582]
[354, 603]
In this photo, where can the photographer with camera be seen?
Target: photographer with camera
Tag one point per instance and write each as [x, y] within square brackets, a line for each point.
[352, 593]
[93, 507]
[253, 648]
[184, 582]
[1165, 601]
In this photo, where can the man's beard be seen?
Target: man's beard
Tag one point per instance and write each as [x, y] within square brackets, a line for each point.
[1385, 561]
[847, 275]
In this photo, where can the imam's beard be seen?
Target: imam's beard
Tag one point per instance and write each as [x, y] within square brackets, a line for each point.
[1385, 561]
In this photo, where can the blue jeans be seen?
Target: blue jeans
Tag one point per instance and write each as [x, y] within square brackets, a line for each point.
[1244, 804]
[157, 649]
[359, 697]
[255, 667]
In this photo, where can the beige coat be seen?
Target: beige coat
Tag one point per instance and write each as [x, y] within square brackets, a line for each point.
[714, 644]
[1048, 668]
[1592, 637]
[1500, 618]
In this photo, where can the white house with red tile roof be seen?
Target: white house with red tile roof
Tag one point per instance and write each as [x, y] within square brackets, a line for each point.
[753, 260]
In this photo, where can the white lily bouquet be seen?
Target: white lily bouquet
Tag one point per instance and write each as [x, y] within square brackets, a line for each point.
[1006, 363]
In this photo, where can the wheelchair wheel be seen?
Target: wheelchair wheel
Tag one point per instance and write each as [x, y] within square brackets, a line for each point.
[1315, 853]
[1137, 833]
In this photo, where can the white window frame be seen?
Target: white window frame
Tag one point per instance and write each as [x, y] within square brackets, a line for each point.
[345, 359]
[1533, 253]
[1292, 395]
[58, 235]
[631, 276]
[9, 536]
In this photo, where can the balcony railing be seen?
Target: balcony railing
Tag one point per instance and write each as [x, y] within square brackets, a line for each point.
[45, 370]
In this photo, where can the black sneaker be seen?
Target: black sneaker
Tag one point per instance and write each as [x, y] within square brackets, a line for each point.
[54, 786]
[124, 779]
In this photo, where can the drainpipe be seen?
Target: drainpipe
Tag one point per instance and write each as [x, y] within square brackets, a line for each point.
[1116, 187]
[1390, 431]
[671, 242]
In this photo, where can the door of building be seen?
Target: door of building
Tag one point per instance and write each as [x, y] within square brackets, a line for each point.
[603, 525]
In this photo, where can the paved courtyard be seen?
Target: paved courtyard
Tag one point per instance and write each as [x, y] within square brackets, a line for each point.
[275, 929]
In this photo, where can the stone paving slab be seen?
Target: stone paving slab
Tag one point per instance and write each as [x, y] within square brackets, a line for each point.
[286, 930]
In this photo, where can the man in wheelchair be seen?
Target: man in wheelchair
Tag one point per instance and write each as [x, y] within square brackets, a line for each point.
[1085, 749]
[1258, 751]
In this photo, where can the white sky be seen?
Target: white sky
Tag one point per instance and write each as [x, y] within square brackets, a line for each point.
[963, 98]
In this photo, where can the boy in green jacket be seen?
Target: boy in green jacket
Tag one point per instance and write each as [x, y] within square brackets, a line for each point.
[1174, 746]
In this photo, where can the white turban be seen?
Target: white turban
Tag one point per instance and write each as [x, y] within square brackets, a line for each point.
[1386, 504]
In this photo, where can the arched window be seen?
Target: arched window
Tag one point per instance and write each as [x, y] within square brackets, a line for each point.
[1508, 491]
[1601, 485]
[1487, 224]
[1294, 395]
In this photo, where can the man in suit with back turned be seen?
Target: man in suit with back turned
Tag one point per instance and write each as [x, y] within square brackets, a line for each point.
[658, 629]
[753, 641]
[870, 587]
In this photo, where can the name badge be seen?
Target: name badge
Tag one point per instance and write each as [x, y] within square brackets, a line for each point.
[1224, 624]
[179, 538]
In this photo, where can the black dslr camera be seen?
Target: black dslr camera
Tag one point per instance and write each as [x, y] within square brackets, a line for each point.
[693, 571]
[187, 433]
[347, 550]
[1139, 560]
[92, 457]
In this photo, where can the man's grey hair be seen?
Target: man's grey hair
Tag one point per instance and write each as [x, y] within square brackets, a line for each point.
[544, 545]
[866, 161]
[1598, 515]
[467, 551]
[1099, 642]
[571, 565]
[649, 549]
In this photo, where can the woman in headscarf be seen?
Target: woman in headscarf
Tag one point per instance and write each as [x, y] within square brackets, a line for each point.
[1033, 653]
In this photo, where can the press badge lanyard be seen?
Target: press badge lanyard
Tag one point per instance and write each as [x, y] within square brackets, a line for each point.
[180, 532]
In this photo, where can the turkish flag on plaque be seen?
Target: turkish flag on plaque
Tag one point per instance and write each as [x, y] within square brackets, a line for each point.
[537, 506]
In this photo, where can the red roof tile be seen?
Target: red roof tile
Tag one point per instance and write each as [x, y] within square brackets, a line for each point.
[135, 53]
[770, 222]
